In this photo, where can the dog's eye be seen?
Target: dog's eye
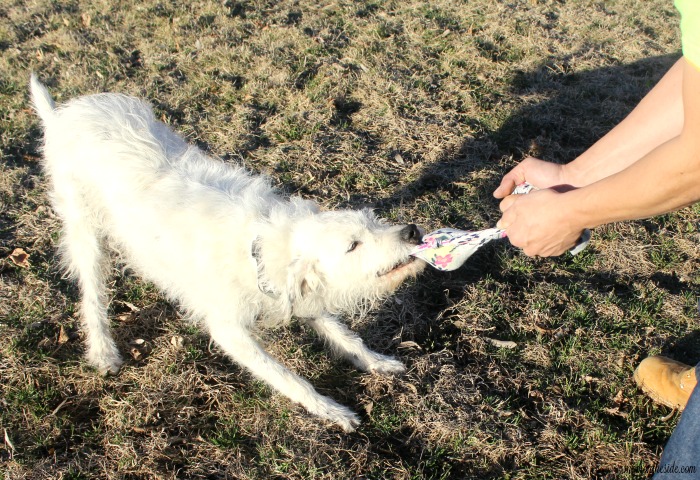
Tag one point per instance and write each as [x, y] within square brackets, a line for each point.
[353, 246]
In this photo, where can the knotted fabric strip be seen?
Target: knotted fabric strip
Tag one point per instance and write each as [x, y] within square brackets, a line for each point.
[447, 248]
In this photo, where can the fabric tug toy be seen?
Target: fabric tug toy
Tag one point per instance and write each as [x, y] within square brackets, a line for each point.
[447, 248]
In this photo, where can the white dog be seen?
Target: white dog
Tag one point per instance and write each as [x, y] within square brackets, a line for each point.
[217, 240]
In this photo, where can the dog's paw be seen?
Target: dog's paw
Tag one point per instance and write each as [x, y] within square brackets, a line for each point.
[386, 366]
[336, 413]
[106, 364]
[349, 422]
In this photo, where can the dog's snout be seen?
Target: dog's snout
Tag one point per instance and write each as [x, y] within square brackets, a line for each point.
[411, 233]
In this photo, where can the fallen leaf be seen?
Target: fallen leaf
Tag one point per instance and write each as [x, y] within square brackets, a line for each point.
[542, 330]
[177, 341]
[501, 343]
[63, 336]
[20, 258]
[618, 398]
[410, 344]
[616, 411]
[8, 442]
[126, 317]
[131, 306]
[139, 349]
[621, 361]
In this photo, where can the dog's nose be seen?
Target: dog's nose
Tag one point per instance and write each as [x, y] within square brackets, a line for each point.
[411, 233]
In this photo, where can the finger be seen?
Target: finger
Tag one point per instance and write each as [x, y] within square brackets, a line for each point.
[507, 202]
[505, 221]
[509, 182]
[504, 189]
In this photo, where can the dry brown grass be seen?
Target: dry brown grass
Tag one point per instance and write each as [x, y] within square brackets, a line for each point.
[415, 108]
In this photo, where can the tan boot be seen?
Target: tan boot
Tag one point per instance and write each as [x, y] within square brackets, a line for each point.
[666, 381]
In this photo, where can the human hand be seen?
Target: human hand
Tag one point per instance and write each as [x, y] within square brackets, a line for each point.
[539, 223]
[534, 171]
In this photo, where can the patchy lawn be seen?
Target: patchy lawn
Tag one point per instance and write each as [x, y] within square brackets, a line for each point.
[413, 108]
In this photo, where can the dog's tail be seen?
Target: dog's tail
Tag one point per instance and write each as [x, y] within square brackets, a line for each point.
[41, 98]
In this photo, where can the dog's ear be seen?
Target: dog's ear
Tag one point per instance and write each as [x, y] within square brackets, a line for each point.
[302, 280]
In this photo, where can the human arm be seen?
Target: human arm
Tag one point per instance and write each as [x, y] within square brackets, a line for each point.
[655, 120]
[666, 178]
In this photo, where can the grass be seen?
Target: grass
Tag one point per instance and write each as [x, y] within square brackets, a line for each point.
[414, 109]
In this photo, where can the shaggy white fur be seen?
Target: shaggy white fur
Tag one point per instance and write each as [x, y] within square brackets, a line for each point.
[215, 239]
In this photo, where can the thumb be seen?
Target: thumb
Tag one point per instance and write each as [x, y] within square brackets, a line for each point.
[511, 180]
[505, 188]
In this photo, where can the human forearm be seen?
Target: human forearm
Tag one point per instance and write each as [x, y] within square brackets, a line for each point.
[666, 179]
[548, 222]
[657, 119]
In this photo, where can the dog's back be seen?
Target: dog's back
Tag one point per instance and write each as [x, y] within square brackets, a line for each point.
[114, 136]
[106, 132]
[112, 148]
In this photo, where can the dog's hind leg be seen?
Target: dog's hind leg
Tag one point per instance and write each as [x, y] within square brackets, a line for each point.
[238, 344]
[348, 344]
[84, 256]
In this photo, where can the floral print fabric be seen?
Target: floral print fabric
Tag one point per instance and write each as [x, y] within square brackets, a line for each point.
[448, 248]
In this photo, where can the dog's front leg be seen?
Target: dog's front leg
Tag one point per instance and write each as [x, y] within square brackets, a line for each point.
[238, 344]
[348, 344]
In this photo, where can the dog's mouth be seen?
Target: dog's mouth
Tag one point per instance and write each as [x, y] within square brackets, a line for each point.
[398, 266]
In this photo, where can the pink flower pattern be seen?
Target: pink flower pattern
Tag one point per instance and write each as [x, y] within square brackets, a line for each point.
[443, 261]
